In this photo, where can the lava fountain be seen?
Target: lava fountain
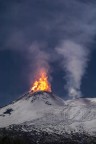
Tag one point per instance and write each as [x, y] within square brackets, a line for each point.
[41, 82]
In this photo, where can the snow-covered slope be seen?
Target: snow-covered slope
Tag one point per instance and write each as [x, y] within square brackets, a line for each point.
[29, 107]
[46, 112]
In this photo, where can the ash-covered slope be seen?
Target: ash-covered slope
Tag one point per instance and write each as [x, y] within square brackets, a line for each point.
[42, 111]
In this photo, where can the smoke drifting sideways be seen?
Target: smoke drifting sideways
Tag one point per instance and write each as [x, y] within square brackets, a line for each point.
[47, 31]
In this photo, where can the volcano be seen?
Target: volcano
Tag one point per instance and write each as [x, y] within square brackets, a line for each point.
[43, 115]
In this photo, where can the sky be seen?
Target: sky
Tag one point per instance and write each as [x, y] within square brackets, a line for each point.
[57, 35]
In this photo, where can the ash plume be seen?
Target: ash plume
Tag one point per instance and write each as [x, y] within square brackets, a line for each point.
[40, 59]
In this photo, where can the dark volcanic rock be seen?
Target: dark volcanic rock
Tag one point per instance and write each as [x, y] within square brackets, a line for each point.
[15, 135]
[8, 111]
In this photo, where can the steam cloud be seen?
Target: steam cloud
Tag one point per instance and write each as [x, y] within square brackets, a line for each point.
[74, 63]
[75, 50]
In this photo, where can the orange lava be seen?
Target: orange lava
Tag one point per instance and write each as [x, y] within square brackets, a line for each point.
[41, 83]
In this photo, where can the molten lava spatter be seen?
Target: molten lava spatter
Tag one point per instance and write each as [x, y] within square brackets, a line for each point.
[41, 83]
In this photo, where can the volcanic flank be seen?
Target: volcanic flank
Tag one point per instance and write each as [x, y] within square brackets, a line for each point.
[42, 116]
[45, 118]
[29, 107]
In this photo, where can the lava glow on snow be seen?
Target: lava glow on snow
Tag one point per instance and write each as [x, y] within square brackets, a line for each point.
[41, 82]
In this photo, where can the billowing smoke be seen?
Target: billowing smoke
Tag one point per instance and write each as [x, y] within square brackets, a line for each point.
[48, 31]
[74, 62]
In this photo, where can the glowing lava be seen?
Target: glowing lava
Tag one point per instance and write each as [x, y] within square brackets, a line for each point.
[41, 82]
